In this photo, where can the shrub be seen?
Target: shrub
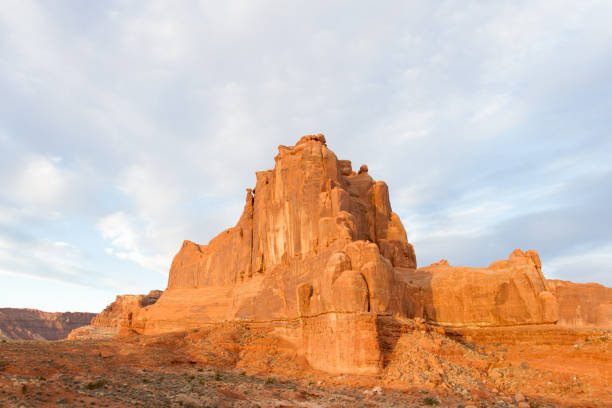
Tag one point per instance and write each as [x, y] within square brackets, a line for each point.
[24, 389]
[96, 384]
[217, 375]
[270, 380]
[431, 401]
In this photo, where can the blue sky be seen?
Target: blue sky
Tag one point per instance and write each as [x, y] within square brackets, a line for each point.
[127, 127]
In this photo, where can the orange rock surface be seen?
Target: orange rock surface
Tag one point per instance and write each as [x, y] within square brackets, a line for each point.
[116, 318]
[583, 304]
[120, 312]
[507, 292]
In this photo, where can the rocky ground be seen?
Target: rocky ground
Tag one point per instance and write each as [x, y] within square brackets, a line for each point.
[234, 366]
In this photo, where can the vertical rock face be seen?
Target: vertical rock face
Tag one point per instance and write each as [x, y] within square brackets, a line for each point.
[31, 324]
[583, 304]
[310, 223]
[308, 203]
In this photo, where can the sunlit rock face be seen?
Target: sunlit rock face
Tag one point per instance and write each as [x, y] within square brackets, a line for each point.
[310, 223]
[583, 304]
[319, 257]
[508, 292]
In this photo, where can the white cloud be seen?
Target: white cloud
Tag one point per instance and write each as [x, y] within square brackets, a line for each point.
[119, 229]
[156, 263]
[132, 242]
[474, 115]
[589, 265]
[40, 182]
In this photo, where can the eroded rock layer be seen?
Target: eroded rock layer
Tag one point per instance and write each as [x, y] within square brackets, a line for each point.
[32, 324]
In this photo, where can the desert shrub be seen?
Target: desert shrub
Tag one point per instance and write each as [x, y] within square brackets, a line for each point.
[270, 380]
[217, 375]
[431, 401]
[96, 384]
[24, 389]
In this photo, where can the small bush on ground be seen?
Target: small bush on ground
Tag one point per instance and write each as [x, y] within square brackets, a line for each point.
[431, 401]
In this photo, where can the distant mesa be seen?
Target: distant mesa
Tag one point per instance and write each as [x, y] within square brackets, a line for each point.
[319, 257]
[32, 324]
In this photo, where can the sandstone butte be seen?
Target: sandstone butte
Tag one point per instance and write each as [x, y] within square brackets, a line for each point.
[319, 257]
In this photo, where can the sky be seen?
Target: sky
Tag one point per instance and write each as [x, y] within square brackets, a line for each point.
[127, 127]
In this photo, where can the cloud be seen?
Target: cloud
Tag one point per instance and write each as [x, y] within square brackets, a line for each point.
[47, 260]
[40, 182]
[489, 122]
[119, 229]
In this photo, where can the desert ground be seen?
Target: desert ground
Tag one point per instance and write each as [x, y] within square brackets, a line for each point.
[233, 365]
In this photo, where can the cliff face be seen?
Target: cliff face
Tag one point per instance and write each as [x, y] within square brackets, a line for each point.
[31, 324]
[583, 304]
[308, 203]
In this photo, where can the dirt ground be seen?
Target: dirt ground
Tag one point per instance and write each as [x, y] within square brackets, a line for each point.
[234, 366]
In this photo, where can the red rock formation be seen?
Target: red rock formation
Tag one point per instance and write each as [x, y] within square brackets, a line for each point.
[90, 332]
[319, 255]
[116, 318]
[120, 312]
[31, 324]
[319, 258]
[583, 304]
[507, 292]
